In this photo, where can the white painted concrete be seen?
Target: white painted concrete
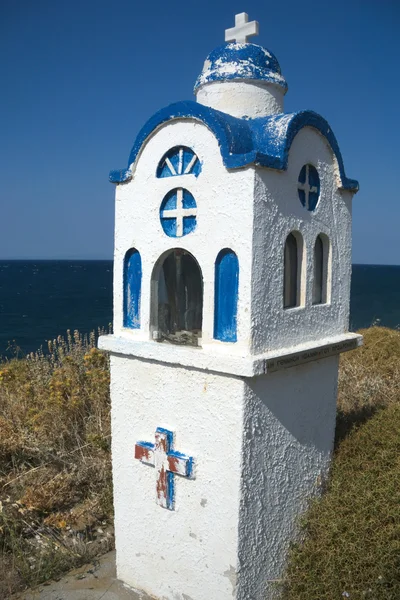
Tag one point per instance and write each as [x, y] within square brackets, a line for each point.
[188, 552]
[277, 212]
[288, 431]
[217, 358]
[261, 445]
[224, 200]
[264, 203]
[261, 433]
[243, 29]
[261, 448]
[242, 98]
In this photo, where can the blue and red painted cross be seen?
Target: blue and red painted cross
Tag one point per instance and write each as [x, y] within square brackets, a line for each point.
[167, 462]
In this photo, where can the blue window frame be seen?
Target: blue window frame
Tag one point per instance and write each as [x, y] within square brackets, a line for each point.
[180, 160]
[132, 288]
[178, 213]
[226, 296]
[309, 187]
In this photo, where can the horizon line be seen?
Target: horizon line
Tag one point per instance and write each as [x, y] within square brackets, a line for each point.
[2, 260]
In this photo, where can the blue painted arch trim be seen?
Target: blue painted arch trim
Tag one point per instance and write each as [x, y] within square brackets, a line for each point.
[233, 135]
[263, 141]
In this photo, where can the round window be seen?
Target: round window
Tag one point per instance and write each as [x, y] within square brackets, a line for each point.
[178, 213]
[309, 187]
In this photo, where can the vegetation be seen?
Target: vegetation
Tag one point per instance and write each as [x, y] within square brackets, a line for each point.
[55, 474]
[351, 537]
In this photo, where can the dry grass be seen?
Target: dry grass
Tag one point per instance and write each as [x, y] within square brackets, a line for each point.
[351, 537]
[369, 378]
[55, 474]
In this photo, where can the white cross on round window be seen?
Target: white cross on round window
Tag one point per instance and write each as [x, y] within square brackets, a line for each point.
[309, 187]
[178, 213]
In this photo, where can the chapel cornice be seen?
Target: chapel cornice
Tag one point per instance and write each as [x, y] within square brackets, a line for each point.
[263, 141]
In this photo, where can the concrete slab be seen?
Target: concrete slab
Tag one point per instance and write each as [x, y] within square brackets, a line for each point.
[95, 581]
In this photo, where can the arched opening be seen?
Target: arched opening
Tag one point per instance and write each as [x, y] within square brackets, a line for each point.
[132, 288]
[292, 270]
[177, 307]
[226, 296]
[320, 275]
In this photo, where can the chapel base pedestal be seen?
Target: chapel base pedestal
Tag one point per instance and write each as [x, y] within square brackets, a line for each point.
[261, 447]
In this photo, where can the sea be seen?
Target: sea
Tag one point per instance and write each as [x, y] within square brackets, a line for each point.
[40, 300]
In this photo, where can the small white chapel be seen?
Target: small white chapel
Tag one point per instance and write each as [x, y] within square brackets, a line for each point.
[232, 272]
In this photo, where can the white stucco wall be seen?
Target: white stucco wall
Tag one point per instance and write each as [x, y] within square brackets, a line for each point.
[261, 447]
[242, 98]
[261, 444]
[288, 432]
[277, 212]
[189, 553]
[265, 204]
[224, 200]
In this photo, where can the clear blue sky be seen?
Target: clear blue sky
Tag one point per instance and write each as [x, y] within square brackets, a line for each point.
[80, 77]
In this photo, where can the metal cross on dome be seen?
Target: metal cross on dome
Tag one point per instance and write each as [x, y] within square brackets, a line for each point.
[168, 462]
[242, 30]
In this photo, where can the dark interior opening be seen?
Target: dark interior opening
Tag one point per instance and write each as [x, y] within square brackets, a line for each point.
[180, 299]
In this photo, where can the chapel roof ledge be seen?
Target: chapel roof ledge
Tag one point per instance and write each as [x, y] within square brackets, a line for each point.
[207, 359]
[263, 141]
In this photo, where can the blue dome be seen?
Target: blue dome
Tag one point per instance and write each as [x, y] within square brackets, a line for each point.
[235, 61]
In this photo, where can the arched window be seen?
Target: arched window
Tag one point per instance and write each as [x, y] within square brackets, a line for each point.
[292, 270]
[132, 288]
[177, 308]
[320, 281]
[179, 160]
[226, 296]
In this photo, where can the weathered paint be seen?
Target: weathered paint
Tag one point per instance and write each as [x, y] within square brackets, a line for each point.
[167, 462]
[132, 288]
[238, 61]
[242, 79]
[265, 141]
[226, 296]
[144, 451]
